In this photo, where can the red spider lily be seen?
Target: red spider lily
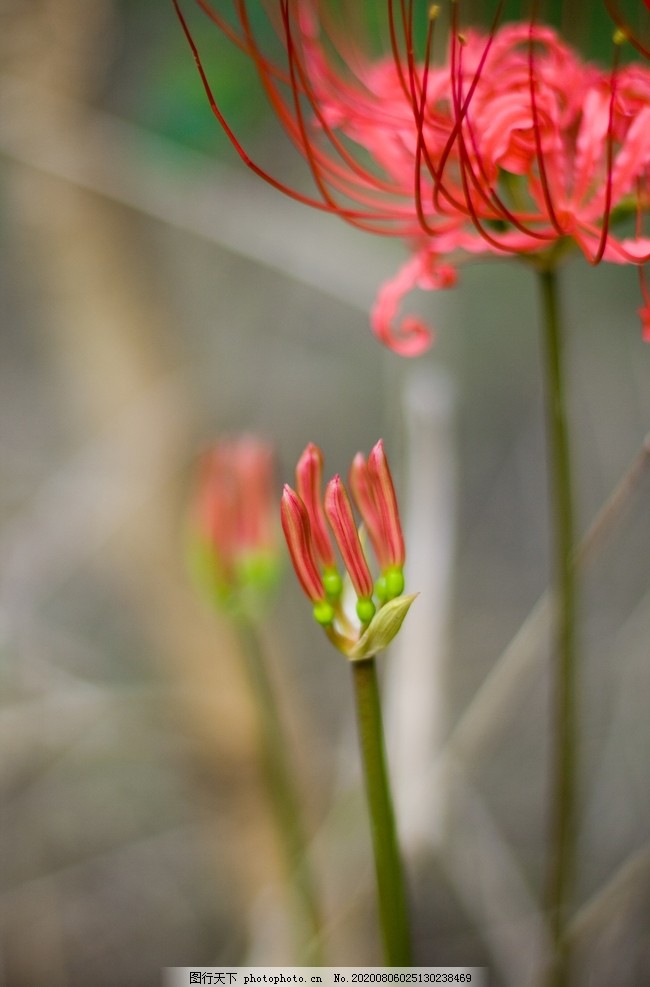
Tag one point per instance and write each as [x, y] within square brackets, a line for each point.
[512, 146]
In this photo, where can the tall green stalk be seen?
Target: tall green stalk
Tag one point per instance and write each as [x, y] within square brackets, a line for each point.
[562, 858]
[284, 798]
[393, 911]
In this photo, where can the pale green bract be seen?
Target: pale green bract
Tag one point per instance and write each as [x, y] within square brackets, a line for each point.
[382, 628]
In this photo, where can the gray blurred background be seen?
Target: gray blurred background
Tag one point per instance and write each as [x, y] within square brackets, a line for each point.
[155, 296]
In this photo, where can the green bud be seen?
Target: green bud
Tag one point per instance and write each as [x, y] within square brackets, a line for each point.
[365, 609]
[394, 583]
[381, 591]
[323, 613]
[333, 584]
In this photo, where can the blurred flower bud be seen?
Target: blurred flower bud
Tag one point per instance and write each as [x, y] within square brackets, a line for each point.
[233, 541]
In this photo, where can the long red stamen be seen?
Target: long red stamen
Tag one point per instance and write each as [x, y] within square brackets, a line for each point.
[598, 256]
[248, 161]
[366, 219]
[486, 192]
[481, 182]
[461, 111]
[394, 45]
[461, 107]
[419, 111]
[238, 41]
[624, 28]
[319, 163]
[325, 168]
[306, 144]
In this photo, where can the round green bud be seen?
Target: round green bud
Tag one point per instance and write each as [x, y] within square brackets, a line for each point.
[394, 583]
[323, 612]
[365, 609]
[333, 583]
[381, 590]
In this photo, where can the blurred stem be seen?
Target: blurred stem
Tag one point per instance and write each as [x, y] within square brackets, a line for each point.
[283, 795]
[391, 890]
[561, 864]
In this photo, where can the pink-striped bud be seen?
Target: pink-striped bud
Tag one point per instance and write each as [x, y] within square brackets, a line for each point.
[297, 531]
[341, 519]
[364, 498]
[309, 474]
[386, 501]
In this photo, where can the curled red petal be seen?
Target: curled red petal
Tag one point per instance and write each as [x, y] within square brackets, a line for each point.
[411, 337]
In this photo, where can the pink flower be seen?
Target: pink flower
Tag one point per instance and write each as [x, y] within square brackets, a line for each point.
[233, 521]
[512, 146]
[374, 494]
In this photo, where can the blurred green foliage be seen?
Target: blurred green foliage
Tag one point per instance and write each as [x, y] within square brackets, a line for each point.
[156, 82]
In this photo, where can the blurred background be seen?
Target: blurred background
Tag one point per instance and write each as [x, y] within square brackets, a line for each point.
[155, 296]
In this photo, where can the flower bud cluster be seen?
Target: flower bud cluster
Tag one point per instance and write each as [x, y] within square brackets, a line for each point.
[309, 519]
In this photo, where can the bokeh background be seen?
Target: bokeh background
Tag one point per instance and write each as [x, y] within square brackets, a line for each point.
[155, 296]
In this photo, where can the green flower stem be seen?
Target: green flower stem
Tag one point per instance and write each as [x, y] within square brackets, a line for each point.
[562, 857]
[284, 798]
[390, 879]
